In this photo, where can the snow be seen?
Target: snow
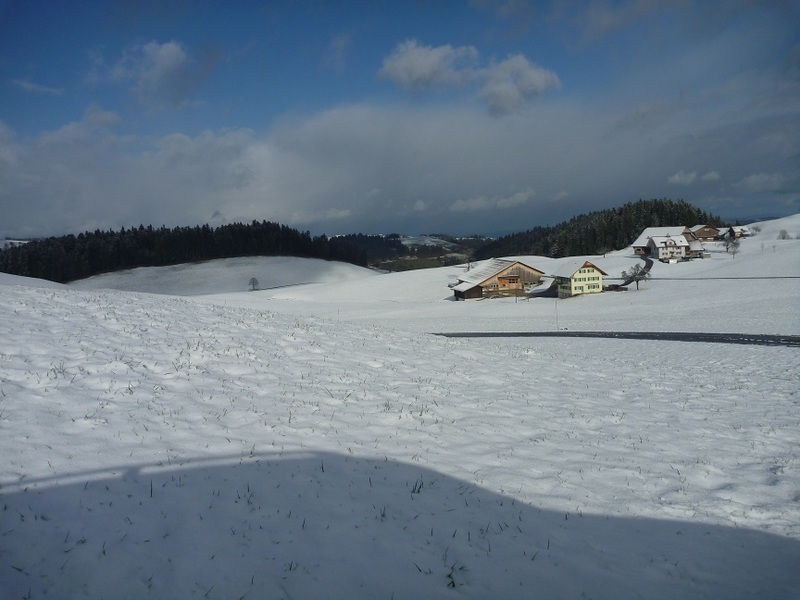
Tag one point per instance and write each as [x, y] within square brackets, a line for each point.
[316, 440]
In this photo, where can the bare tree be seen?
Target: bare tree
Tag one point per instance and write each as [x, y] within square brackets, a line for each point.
[636, 274]
[734, 248]
[253, 283]
[784, 235]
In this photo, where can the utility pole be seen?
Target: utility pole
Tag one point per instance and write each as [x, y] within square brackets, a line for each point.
[556, 303]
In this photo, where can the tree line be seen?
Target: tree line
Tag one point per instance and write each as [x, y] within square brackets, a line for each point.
[70, 257]
[598, 232]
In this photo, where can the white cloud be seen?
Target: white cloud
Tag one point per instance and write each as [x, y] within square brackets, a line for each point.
[497, 202]
[417, 67]
[162, 75]
[711, 176]
[683, 178]
[323, 215]
[338, 52]
[36, 88]
[506, 86]
[599, 19]
[513, 82]
[761, 182]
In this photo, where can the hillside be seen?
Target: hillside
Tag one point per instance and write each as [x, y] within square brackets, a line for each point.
[315, 441]
[598, 232]
[706, 294]
[225, 275]
[69, 257]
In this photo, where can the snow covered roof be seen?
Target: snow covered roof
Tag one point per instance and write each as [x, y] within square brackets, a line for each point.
[675, 232]
[664, 240]
[697, 228]
[487, 269]
[568, 269]
[464, 286]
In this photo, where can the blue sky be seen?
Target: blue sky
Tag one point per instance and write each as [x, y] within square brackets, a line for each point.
[487, 116]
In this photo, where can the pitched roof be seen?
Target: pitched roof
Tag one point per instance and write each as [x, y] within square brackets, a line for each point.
[641, 241]
[464, 286]
[697, 228]
[488, 269]
[662, 240]
[568, 269]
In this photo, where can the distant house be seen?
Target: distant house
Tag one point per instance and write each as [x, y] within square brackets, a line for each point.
[705, 233]
[496, 277]
[741, 231]
[670, 243]
[581, 277]
[640, 245]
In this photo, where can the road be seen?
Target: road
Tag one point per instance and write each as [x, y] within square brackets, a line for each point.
[752, 339]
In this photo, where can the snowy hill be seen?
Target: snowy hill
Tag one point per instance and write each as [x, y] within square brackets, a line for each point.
[225, 275]
[314, 441]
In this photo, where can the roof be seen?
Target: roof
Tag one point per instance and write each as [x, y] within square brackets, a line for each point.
[661, 240]
[487, 270]
[568, 269]
[641, 241]
[464, 286]
[697, 228]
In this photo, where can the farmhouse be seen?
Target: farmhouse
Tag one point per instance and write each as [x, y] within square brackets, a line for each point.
[735, 231]
[640, 245]
[496, 277]
[671, 243]
[667, 247]
[580, 277]
[705, 233]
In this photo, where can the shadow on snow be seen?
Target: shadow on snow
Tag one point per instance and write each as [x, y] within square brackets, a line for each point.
[338, 526]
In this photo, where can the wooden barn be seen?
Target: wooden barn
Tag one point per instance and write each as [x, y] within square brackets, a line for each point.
[705, 233]
[496, 277]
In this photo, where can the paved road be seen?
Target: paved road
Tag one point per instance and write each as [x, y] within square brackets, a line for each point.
[753, 339]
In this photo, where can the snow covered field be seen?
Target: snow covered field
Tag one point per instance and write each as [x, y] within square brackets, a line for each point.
[316, 441]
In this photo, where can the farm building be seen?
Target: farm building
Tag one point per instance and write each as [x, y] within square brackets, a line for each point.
[667, 247]
[575, 278]
[705, 233]
[496, 277]
[667, 243]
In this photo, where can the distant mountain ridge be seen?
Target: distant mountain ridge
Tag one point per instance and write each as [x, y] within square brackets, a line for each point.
[598, 232]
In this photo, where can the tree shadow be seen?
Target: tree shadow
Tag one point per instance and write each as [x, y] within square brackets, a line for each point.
[329, 525]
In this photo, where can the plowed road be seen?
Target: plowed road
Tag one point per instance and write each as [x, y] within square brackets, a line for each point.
[754, 339]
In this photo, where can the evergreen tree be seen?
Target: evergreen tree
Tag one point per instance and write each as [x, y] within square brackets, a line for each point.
[597, 232]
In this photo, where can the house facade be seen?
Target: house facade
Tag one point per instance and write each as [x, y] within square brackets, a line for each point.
[578, 278]
[496, 277]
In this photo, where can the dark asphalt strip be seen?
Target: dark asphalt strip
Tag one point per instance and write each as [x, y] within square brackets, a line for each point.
[753, 339]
